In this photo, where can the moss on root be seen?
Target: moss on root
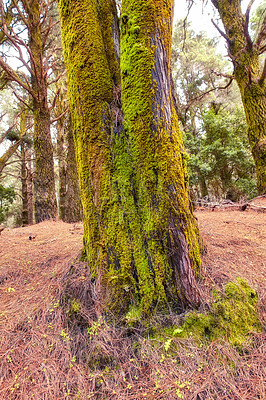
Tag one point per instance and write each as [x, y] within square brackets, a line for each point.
[232, 316]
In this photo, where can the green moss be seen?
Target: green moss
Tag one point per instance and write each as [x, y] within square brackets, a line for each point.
[137, 220]
[75, 306]
[133, 316]
[232, 316]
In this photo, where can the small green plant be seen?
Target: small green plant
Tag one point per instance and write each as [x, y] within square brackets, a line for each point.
[64, 335]
[93, 330]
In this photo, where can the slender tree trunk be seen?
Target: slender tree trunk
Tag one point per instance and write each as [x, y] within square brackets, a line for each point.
[250, 79]
[73, 207]
[69, 192]
[202, 184]
[139, 233]
[24, 188]
[62, 167]
[44, 182]
[30, 188]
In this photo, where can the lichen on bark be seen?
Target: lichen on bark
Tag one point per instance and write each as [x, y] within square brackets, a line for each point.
[139, 233]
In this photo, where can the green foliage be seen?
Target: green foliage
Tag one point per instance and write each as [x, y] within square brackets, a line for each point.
[7, 196]
[214, 125]
[257, 19]
[197, 69]
[222, 154]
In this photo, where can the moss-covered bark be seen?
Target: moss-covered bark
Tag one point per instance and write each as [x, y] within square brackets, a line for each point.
[69, 192]
[44, 183]
[139, 233]
[24, 188]
[250, 79]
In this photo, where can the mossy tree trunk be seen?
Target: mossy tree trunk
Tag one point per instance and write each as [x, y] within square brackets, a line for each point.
[139, 233]
[44, 183]
[30, 187]
[69, 192]
[250, 78]
[24, 186]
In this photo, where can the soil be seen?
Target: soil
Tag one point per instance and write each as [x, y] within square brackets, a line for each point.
[47, 353]
[32, 257]
[235, 245]
[31, 260]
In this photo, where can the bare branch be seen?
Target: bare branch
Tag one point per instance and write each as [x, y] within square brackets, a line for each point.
[213, 89]
[249, 41]
[220, 31]
[261, 36]
[2, 115]
[55, 98]
[20, 13]
[250, 4]
[57, 78]
[263, 75]
[13, 76]
[21, 100]
[221, 74]
[60, 116]
[185, 23]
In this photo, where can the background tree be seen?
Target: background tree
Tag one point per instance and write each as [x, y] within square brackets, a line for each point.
[7, 196]
[198, 73]
[213, 121]
[139, 233]
[70, 209]
[225, 152]
[10, 135]
[245, 55]
[27, 36]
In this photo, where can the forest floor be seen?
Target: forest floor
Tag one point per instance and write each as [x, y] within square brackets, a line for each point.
[46, 352]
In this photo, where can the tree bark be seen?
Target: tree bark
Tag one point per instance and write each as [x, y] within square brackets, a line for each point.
[69, 192]
[30, 188]
[139, 233]
[250, 79]
[44, 183]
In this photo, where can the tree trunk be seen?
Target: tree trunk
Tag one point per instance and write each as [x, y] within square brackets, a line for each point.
[139, 233]
[202, 184]
[44, 182]
[30, 188]
[69, 192]
[24, 188]
[250, 79]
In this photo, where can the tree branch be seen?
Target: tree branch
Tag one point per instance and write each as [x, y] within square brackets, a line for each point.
[13, 76]
[21, 100]
[60, 116]
[20, 13]
[211, 90]
[220, 31]
[261, 36]
[249, 41]
[57, 78]
[263, 75]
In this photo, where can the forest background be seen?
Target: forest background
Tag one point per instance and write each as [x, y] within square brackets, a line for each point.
[212, 120]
